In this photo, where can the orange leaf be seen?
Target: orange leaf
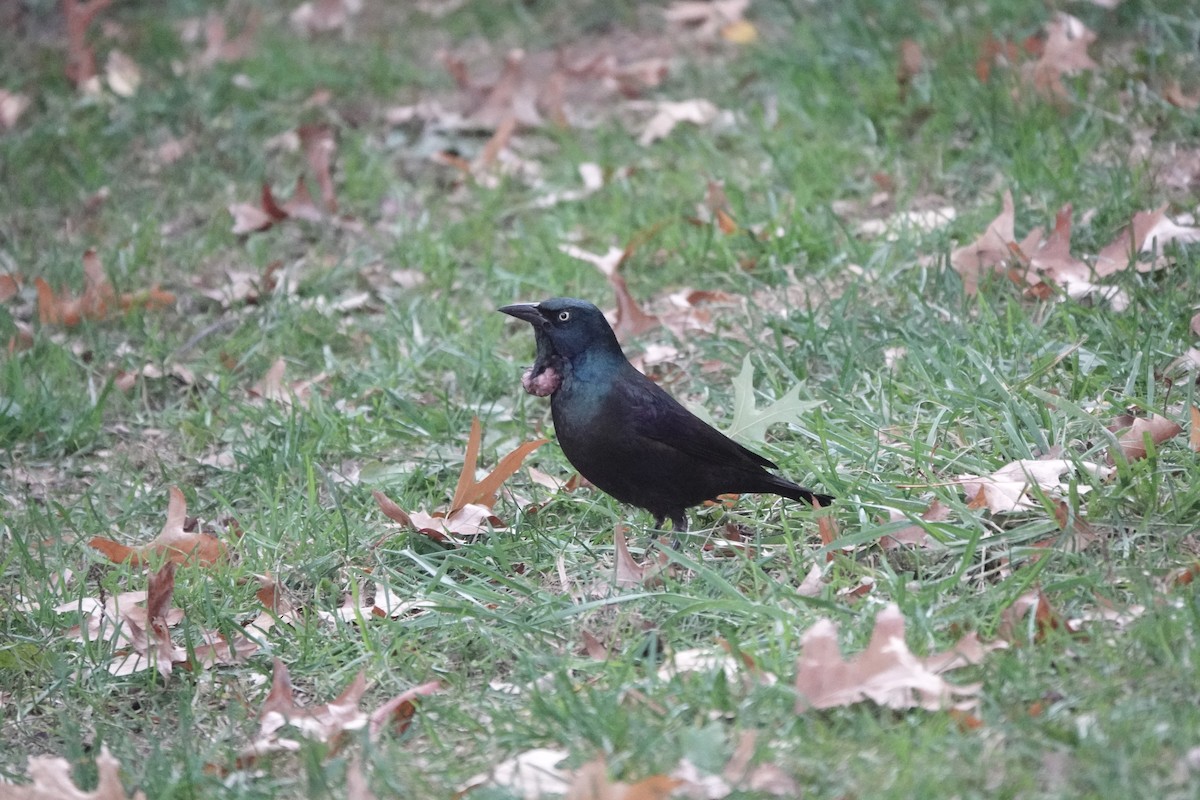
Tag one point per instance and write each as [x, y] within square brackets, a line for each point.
[1194, 435]
[466, 478]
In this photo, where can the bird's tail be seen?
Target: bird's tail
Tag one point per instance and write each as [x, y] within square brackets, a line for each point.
[794, 491]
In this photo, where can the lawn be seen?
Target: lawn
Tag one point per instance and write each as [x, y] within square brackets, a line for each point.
[249, 274]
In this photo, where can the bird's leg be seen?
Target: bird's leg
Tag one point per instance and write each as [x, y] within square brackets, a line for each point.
[679, 525]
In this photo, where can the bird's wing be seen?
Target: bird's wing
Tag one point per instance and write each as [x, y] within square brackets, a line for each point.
[657, 415]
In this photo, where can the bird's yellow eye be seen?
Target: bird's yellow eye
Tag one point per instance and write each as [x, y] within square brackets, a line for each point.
[563, 316]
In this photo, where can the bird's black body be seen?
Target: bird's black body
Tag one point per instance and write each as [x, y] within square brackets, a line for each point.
[623, 432]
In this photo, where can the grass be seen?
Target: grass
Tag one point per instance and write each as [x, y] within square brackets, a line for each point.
[984, 380]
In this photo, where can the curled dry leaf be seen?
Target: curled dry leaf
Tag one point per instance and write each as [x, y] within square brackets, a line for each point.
[1134, 432]
[666, 114]
[323, 16]
[709, 20]
[470, 511]
[271, 387]
[52, 781]
[1063, 54]
[531, 774]
[325, 723]
[1007, 489]
[630, 320]
[172, 543]
[886, 672]
[1042, 618]
[628, 571]
[12, 106]
[97, 300]
[398, 712]
[1147, 234]
[914, 534]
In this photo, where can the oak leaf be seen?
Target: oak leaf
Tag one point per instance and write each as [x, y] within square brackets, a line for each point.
[172, 543]
[52, 781]
[887, 672]
[470, 511]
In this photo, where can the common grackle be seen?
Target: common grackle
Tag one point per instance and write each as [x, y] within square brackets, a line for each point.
[622, 431]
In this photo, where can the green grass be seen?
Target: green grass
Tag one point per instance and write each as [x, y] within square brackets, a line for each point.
[984, 380]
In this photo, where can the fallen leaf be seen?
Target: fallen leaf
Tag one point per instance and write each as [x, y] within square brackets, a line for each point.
[325, 723]
[172, 543]
[667, 114]
[1064, 54]
[97, 300]
[1133, 432]
[749, 422]
[12, 106]
[915, 534]
[1042, 619]
[1006, 489]
[591, 782]
[1147, 234]
[990, 251]
[630, 320]
[628, 571]
[1194, 433]
[271, 387]
[323, 16]
[52, 781]
[470, 511]
[911, 62]
[531, 774]
[886, 672]
[708, 20]
[1173, 93]
[398, 712]
[219, 48]
[81, 58]
[122, 74]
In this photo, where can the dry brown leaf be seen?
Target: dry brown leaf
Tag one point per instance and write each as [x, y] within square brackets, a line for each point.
[591, 782]
[630, 320]
[914, 534]
[97, 300]
[628, 571]
[12, 106]
[172, 543]
[911, 62]
[886, 672]
[1132, 433]
[1173, 93]
[52, 780]
[81, 58]
[1147, 234]
[1052, 260]
[10, 286]
[1194, 433]
[1064, 53]
[122, 74]
[319, 149]
[533, 773]
[989, 252]
[710, 20]
[396, 714]
[325, 723]
[1014, 629]
[666, 114]
[219, 48]
[470, 512]
[323, 16]
[1007, 489]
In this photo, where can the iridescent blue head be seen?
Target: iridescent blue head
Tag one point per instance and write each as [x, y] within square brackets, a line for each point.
[570, 327]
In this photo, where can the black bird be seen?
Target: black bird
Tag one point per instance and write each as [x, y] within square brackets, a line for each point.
[623, 432]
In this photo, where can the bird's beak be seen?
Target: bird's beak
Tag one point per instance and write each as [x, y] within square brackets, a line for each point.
[526, 311]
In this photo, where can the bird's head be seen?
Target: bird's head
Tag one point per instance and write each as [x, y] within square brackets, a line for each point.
[570, 327]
